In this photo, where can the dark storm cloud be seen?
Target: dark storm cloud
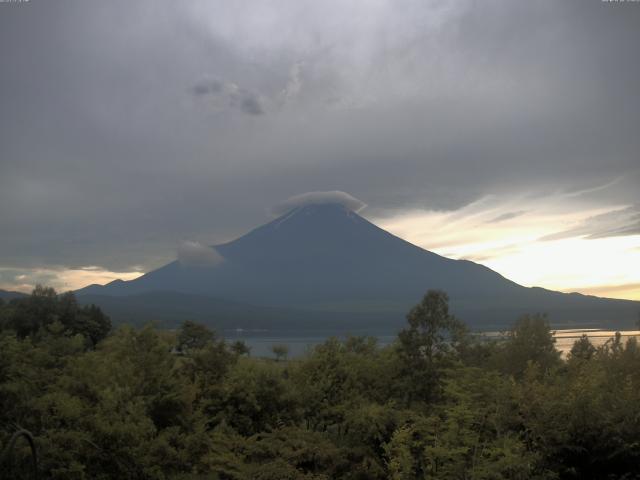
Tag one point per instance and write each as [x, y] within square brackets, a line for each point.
[116, 143]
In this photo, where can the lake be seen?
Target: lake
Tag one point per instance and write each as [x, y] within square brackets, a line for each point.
[261, 341]
[566, 338]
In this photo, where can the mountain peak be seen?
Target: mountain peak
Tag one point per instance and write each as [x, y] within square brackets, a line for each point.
[320, 255]
[334, 197]
[315, 223]
[315, 209]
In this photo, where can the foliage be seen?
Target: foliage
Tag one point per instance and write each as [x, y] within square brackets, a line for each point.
[426, 346]
[437, 404]
[193, 336]
[529, 341]
[33, 315]
[280, 351]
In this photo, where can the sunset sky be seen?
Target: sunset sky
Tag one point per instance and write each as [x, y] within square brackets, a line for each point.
[497, 131]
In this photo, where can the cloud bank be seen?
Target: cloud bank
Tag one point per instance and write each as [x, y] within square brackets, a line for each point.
[319, 198]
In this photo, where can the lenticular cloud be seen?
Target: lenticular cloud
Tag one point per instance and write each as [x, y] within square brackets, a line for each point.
[194, 254]
[319, 198]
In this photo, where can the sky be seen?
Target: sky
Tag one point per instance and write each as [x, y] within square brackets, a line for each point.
[498, 131]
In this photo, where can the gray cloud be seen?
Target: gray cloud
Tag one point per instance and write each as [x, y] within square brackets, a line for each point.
[194, 254]
[606, 290]
[249, 103]
[492, 253]
[115, 146]
[245, 100]
[507, 216]
[10, 277]
[208, 86]
[622, 222]
[319, 198]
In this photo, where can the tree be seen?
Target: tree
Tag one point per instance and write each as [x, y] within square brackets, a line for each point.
[193, 336]
[426, 344]
[292, 453]
[34, 311]
[35, 314]
[240, 348]
[92, 323]
[582, 348]
[280, 351]
[256, 397]
[530, 340]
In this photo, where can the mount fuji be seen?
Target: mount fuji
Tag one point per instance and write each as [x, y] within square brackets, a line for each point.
[321, 265]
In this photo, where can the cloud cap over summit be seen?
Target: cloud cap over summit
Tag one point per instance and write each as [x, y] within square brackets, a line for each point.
[319, 198]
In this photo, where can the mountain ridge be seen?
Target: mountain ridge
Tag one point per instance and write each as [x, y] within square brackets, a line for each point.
[9, 294]
[327, 258]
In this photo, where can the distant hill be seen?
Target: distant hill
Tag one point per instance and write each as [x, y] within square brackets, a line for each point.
[328, 264]
[8, 295]
[169, 309]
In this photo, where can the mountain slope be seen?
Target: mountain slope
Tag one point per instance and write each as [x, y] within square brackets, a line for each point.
[169, 309]
[326, 258]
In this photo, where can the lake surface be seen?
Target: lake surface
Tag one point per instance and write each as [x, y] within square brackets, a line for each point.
[261, 342]
[566, 338]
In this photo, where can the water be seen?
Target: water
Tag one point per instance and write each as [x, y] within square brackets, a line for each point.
[566, 338]
[262, 341]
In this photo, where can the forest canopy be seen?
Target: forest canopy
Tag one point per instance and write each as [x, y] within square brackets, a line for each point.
[438, 403]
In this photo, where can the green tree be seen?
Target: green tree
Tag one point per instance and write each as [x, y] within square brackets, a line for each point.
[92, 323]
[33, 315]
[281, 351]
[582, 349]
[30, 313]
[426, 345]
[530, 340]
[193, 336]
[295, 453]
[256, 397]
[240, 348]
